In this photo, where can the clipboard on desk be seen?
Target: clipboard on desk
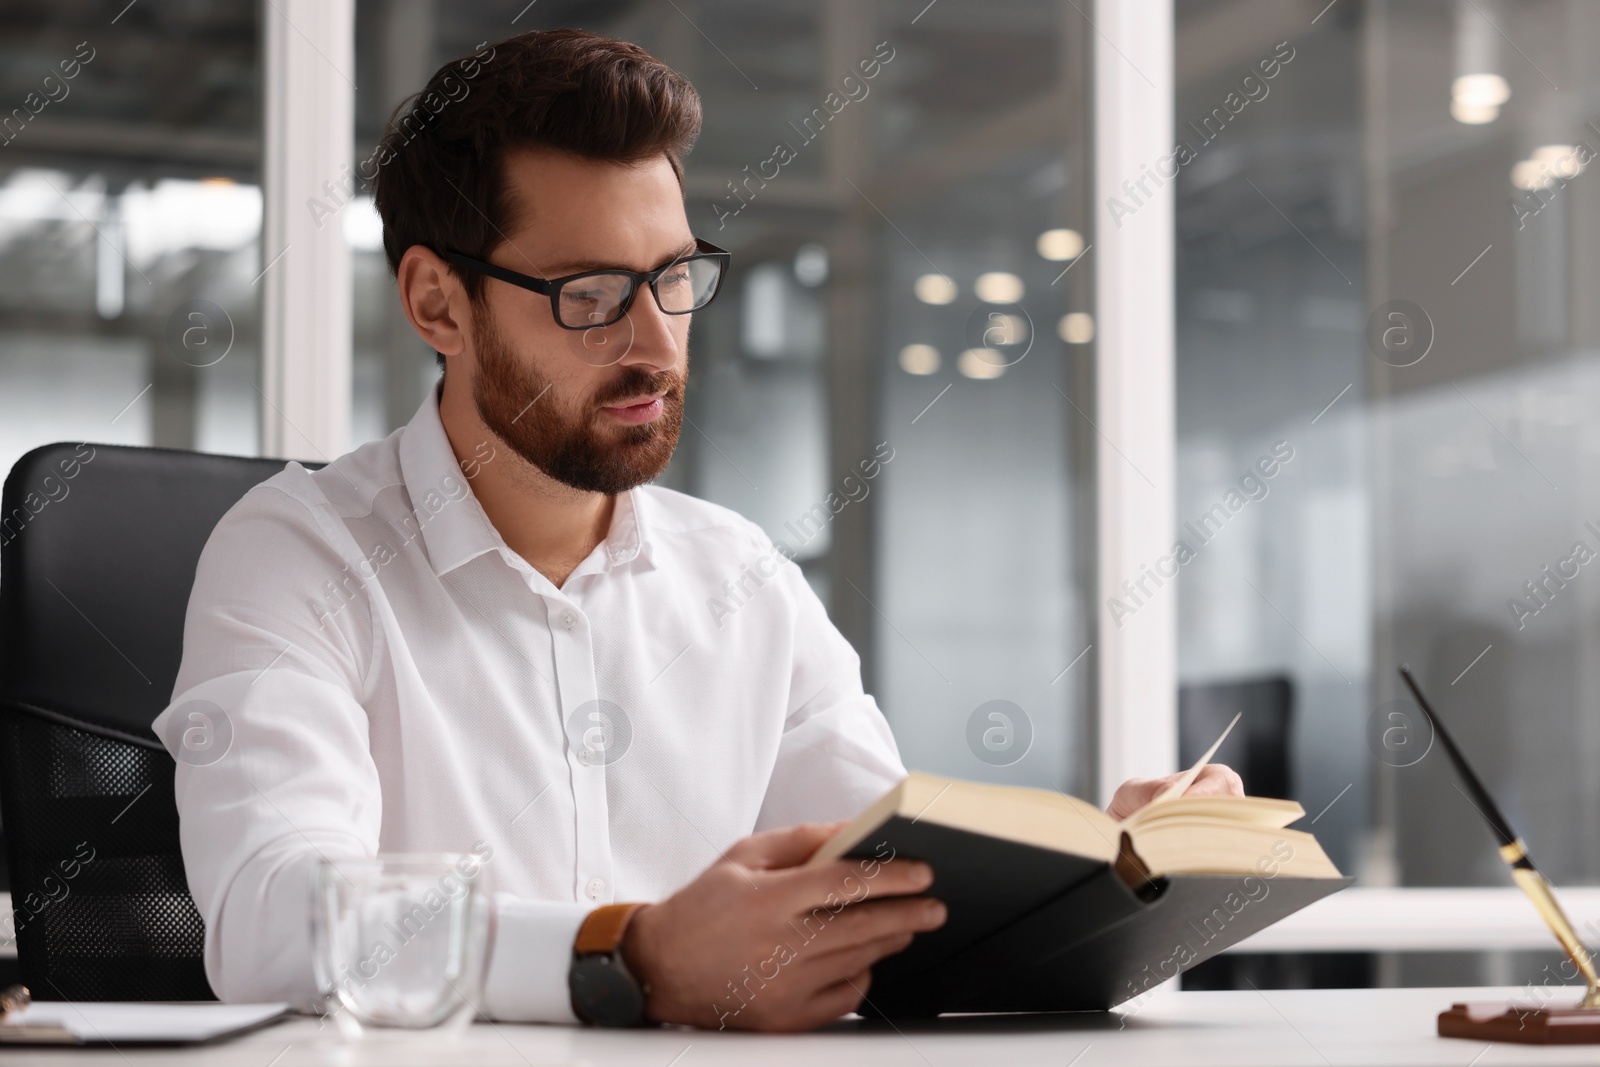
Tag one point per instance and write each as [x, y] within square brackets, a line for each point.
[118, 1023]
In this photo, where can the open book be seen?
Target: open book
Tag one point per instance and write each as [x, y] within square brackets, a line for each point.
[1184, 835]
[1055, 905]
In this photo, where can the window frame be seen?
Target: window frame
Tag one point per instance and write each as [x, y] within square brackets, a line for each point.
[308, 100]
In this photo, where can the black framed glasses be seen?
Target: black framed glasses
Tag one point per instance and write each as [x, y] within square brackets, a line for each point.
[598, 298]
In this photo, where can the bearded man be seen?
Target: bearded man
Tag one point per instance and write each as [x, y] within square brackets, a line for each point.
[489, 633]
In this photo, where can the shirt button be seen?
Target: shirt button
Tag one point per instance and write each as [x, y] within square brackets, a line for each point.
[569, 620]
[595, 888]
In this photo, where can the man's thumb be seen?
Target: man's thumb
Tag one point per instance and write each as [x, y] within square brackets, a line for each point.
[790, 847]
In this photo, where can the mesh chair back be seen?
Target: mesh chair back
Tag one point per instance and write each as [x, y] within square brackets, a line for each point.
[98, 547]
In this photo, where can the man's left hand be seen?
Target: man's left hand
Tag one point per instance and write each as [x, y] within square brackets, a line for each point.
[1214, 780]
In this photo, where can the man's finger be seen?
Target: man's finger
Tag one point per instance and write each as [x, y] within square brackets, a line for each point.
[825, 966]
[1135, 793]
[842, 997]
[871, 921]
[842, 882]
[789, 847]
[1216, 779]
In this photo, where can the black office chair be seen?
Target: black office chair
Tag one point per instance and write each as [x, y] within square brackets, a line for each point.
[98, 547]
[1258, 748]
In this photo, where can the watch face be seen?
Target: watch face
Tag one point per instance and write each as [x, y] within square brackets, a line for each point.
[605, 994]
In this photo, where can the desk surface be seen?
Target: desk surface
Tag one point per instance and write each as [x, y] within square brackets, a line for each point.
[1317, 1028]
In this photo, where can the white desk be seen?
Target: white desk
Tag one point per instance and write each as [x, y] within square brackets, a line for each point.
[1477, 919]
[1358, 919]
[1316, 1028]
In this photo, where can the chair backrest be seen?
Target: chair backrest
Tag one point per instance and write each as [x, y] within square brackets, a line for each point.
[98, 547]
[1258, 748]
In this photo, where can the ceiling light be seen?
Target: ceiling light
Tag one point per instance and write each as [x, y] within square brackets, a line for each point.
[1005, 330]
[1562, 159]
[981, 363]
[919, 359]
[998, 287]
[1480, 90]
[935, 289]
[1473, 114]
[1532, 174]
[811, 265]
[1060, 245]
[1077, 328]
[363, 226]
[1477, 92]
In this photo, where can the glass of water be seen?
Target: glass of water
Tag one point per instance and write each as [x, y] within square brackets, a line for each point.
[400, 940]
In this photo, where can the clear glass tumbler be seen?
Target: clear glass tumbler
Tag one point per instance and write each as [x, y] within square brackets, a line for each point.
[400, 940]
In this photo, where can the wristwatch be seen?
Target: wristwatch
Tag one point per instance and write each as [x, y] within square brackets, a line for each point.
[604, 992]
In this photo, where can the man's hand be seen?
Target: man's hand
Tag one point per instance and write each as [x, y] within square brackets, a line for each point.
[758, 942]
[1214, 780]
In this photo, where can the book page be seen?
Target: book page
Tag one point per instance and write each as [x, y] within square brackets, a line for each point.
[1220, 846]
[1223, 835]
[1256, 811]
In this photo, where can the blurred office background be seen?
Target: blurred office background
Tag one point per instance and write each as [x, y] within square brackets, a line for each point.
[1432, 153]
[920, 277]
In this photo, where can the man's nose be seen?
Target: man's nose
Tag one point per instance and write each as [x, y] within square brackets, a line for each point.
[650, 339]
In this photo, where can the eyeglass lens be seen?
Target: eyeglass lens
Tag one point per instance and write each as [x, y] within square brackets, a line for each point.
[598, 299]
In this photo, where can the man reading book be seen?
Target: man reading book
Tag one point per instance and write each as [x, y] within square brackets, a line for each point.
[489, 632]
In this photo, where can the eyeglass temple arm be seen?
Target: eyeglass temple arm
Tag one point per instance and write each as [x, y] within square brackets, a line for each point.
[537, 285]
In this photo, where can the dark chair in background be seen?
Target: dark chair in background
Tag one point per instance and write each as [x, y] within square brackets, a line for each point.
[98, 547]
[1259, 750]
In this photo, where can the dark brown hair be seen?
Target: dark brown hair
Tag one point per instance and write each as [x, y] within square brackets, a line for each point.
[438, 174]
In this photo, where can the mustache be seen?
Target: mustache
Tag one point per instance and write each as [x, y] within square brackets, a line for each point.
[636, 382]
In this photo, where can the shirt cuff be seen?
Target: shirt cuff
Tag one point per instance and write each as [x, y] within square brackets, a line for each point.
[528, 964]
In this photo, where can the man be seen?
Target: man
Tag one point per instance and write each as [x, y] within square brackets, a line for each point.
[488, 631]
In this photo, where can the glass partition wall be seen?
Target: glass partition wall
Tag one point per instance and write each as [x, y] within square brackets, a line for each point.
[130, 220]
[1386, 287]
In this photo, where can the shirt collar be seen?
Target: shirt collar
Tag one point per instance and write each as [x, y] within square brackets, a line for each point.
[454, 526]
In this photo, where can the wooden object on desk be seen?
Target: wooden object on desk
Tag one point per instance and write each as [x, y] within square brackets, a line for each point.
[1525, 1024]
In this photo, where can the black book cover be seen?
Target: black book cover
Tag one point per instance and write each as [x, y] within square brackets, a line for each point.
[1033, 929]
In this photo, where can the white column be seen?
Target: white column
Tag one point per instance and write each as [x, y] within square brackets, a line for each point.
[309, 93]
[1133, 87]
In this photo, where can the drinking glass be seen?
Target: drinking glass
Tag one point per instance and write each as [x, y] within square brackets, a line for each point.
[400, 940]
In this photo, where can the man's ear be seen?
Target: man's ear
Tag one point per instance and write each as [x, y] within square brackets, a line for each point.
[435, 301]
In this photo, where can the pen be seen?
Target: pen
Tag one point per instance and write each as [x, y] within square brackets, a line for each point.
[1514, 851]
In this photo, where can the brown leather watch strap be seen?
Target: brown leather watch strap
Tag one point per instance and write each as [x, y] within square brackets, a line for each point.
[602, 929]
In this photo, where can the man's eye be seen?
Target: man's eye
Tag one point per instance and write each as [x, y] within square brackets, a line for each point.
[676, 276]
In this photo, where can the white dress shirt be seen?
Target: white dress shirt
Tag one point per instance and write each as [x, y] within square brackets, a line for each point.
[394, 678]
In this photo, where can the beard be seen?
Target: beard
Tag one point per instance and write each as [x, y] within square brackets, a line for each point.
[513, 401]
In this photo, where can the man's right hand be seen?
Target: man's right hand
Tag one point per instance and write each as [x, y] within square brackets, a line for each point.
[758, 942]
